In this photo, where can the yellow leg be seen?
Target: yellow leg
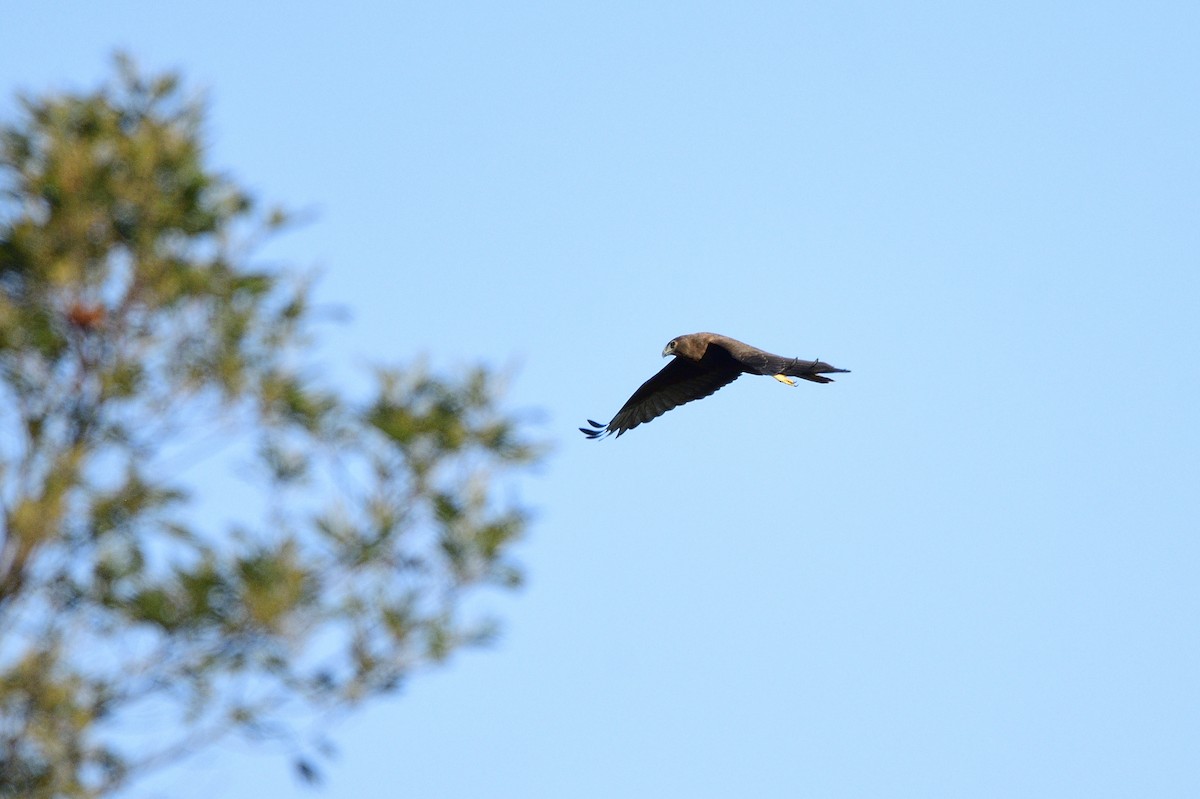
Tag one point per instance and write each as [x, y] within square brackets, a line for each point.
[784, 379]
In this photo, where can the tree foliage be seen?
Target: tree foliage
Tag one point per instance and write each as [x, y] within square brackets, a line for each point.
[137, 327]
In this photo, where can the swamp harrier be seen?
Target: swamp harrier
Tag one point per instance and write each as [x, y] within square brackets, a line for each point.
[704, 362]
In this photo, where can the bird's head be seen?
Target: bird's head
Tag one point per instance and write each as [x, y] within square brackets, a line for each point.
[691, 346]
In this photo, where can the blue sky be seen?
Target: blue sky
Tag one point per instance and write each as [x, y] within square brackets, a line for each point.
[969, 568]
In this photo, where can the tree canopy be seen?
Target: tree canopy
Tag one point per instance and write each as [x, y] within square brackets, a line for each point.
[137, 327]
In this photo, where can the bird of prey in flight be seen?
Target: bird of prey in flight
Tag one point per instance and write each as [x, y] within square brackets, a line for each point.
[703, 363]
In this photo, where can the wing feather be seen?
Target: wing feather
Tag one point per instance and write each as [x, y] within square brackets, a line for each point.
[679, 382]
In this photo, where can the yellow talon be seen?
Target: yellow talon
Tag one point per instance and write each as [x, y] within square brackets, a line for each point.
[784, 379]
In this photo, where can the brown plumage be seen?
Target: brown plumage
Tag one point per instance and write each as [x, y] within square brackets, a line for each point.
[703, 363]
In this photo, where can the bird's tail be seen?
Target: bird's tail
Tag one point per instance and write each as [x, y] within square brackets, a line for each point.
[810, 370]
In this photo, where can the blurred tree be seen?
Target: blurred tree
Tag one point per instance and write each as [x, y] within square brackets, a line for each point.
[134, 322]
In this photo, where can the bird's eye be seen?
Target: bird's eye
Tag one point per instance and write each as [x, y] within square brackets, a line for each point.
[671, 345]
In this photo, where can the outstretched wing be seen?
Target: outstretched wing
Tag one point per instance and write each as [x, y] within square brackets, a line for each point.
[680, 381]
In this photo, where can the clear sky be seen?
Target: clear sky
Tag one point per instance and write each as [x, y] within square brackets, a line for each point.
[969, 568]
